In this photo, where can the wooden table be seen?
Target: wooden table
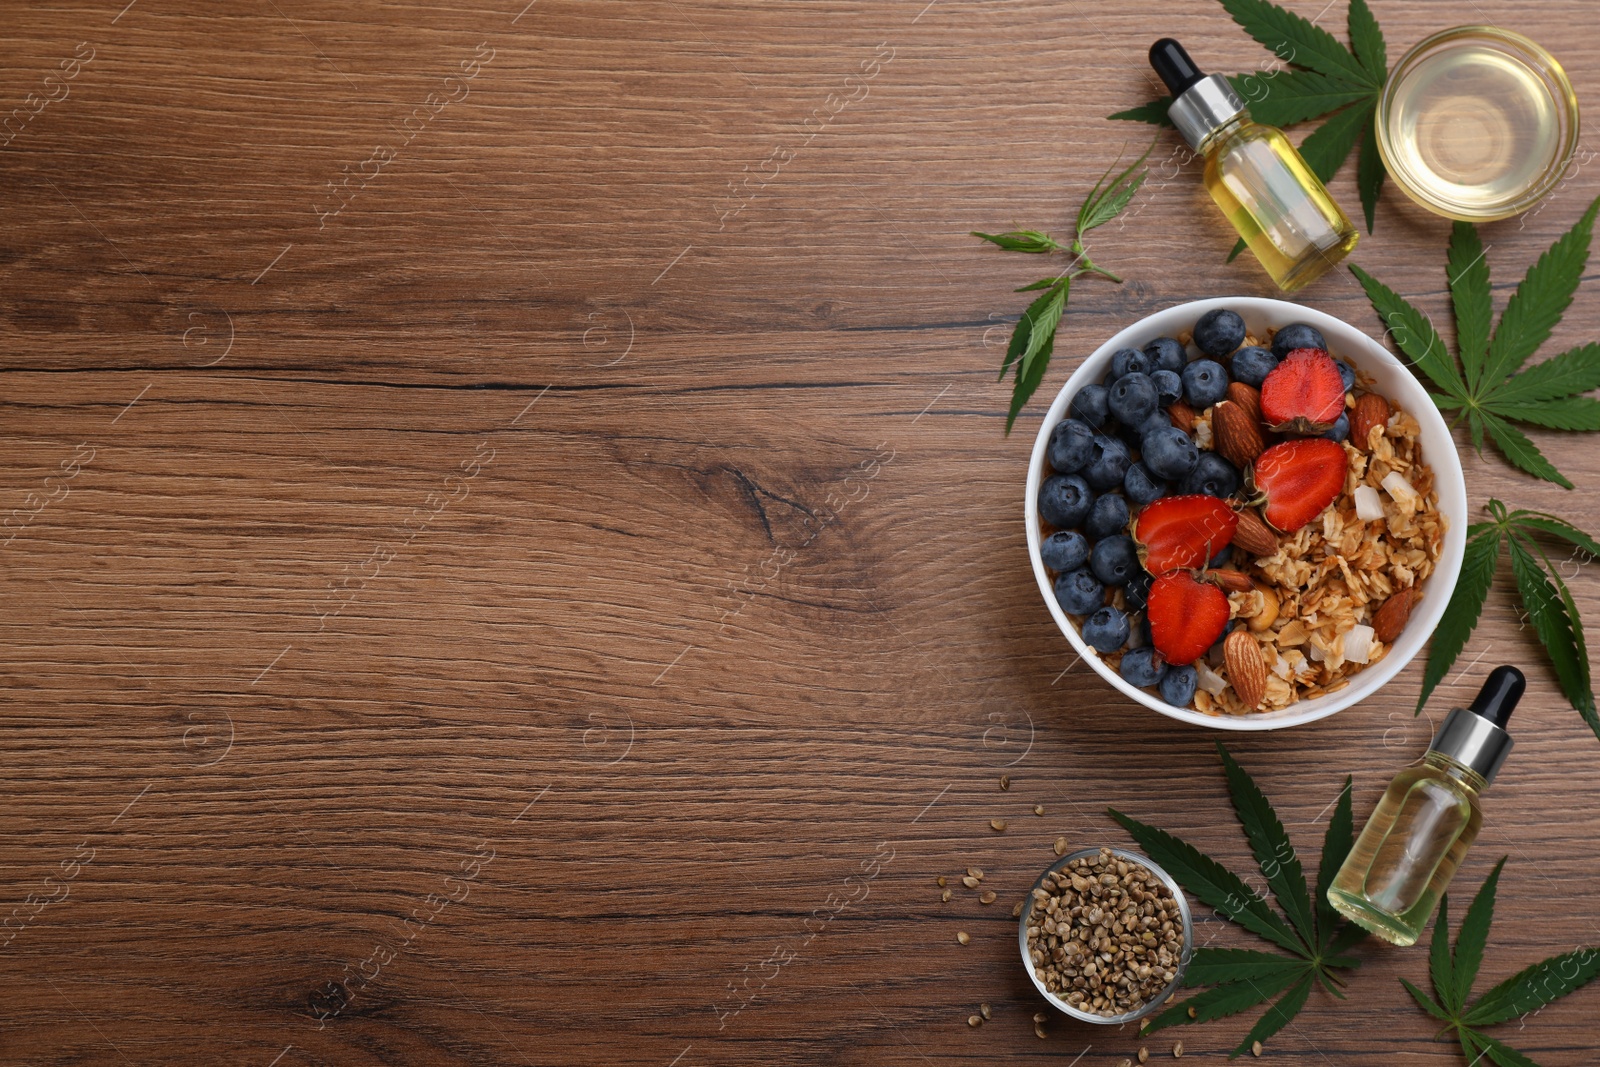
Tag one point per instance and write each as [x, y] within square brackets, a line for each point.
[512, 555]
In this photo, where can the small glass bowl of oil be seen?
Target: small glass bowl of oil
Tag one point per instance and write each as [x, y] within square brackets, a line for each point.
[1477, 123]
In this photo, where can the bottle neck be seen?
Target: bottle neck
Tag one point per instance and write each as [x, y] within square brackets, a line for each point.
[1456, 770]
[1211, 141]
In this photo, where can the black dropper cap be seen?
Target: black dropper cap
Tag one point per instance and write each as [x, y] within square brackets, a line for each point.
[1475, 736]
[1499, 695]
[1174, 66]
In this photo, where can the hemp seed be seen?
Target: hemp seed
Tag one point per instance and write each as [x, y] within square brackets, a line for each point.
[998, 825]
[983, 1010]
[963, 937]
[1105, 935]
[944, 896]
[1061, 846]
[1005, 782]
[987, 897]
[1255, 1048]
[970, 882]
[973, 1020]
[1144, 1054]
[1038, 809]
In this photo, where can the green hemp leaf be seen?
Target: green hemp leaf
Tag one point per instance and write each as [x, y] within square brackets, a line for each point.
[1545, 597]
[1489, 388]
[1452, 975]
[1309, 930]
[1033, 340]
[1324, 79]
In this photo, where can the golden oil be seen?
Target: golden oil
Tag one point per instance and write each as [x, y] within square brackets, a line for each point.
[1477, 123]
[1276, 203]
[1428, 818]
[1255, 175]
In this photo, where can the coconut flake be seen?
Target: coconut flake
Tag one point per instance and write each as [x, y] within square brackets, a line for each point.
[1369, 506]
[1210, 680]
[1398, 487]
[1358, 642]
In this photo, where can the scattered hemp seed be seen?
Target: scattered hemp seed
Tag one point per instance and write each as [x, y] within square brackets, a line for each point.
[1191, 1011]
[1255, 1048]
[944, 896]
[1040, 1017]
[1125, 1062]
[1144, 1054]
[983, 1010]
[1016, 912]
[973, 1020]
[987, 897]
[1005, 782]
[970, 882]
[1061, 846]
[1038, 1031]
[943, 881]
[1177, 1051]
[998, 825]
[1038, 809]
[975, 872]
[963, 937]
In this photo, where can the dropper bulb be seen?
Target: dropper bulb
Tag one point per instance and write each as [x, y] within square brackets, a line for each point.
[1172, 63]
[1499, 695]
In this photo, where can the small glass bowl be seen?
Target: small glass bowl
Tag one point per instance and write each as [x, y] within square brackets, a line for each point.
[1153, 1003]
[1515, 48]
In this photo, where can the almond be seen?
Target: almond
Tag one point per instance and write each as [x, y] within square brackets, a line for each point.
[1231, 580]
[1236, 434]
[1391, 618]
[1247, 670]
[1182, 416]
[1370, 410]
[1247, 397]
[1254, 535]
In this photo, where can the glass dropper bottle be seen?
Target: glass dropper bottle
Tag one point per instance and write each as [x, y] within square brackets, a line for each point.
[1428, 818]
[1255, 175]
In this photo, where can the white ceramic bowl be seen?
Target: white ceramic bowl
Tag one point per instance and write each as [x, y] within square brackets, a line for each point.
[1391, 379]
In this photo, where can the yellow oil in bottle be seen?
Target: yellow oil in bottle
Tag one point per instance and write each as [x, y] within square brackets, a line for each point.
[1409, 850]
[1276, 203]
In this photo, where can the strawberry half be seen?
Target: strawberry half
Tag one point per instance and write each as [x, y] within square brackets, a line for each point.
[1299, 478]
[1304, 393]
[1186, 616]
[1183, 531]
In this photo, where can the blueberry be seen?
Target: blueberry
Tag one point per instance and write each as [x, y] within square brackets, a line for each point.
[1064, 500]
[1158, 420]
[1204, 383]
[1064, 550]
[1178, 685]
[1347, 374]
[1138, 591]
[1071, 446]
[1252, 365]
[1142, 667]
[1106, 630]
[1166, 354]
[1297, 335]
[1213, 476]
[1127, 361]
[1218, 332]
[1079, 592]
[1223, 557]
[1115, 560]
[1132, 398]
[1109, 465]
[1169, 453]
[1089, 405]
[1141, 486]
[1108, 515]
[1169, 387]
[1340, 430]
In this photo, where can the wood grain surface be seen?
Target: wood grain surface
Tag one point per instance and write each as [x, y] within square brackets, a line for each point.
[512, 558]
